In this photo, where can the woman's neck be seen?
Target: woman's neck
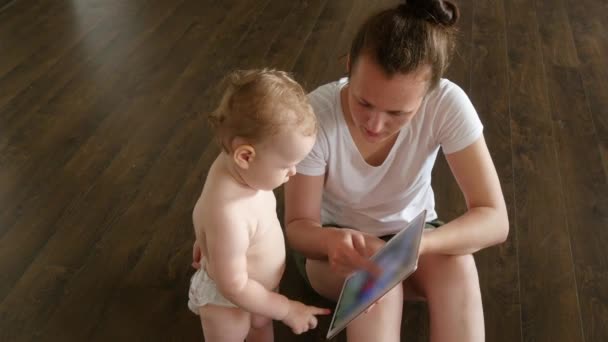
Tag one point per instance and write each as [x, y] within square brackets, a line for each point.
[373, 153]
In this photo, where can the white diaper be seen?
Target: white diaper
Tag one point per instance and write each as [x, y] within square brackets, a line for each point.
[203, 291]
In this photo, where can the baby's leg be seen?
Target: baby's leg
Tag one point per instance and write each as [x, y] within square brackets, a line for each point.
[261, 329]
[224, 324]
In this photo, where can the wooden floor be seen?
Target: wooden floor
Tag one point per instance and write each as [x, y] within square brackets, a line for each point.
[103, 151]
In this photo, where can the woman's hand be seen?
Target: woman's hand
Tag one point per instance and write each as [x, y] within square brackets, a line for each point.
[349, 250]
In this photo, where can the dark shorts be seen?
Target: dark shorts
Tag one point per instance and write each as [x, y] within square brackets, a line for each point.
[300, 260]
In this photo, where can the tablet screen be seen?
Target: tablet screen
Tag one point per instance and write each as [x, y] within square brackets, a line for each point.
[397, 259]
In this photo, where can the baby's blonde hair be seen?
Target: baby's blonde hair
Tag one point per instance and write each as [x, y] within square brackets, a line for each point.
[258, 104]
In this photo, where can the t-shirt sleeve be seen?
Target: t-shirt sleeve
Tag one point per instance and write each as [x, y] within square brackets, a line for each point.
[315, 163]
[457, 122]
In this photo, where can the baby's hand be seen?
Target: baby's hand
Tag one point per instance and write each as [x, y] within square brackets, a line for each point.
[301, 318]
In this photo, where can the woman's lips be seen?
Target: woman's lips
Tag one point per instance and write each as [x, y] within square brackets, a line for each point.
[370, 133]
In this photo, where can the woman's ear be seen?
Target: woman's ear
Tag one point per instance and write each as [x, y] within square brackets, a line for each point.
[243, 155]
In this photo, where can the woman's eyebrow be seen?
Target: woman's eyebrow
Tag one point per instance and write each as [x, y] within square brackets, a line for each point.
[364, 101]
[400, 112]
[394, 112]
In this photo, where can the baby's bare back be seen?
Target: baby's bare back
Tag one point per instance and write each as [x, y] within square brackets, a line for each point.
[254, 214]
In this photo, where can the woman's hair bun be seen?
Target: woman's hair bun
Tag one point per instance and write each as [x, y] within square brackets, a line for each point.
[437, 11]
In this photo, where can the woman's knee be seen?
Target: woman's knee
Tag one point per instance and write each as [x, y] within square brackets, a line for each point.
[391, 302]
[394, 295]
[458, 273]
[323, 280]
[464, 268]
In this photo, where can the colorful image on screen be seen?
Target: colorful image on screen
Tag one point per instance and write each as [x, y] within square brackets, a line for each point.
[396, 259]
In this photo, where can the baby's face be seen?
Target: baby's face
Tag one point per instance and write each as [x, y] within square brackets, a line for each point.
[277, 157]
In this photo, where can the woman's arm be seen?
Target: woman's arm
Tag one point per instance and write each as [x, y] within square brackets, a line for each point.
[345, 249]
[485, 223]
[303, 216]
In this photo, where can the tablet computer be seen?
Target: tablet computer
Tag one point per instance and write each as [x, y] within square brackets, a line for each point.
[398, 259]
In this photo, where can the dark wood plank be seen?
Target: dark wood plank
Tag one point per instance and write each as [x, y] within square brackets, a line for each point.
[22, 20]
[548, 290]
[47, 46]
[5, 3]
[49, 199]
[590, 31]
[321, 43]
[14, 14]
[126, 171]
[36, 28]
[89, 58]
[555, 33]
[295, 32]
[585, 193]
[489, 76]
[585, 189]
[67, 185]
[334, 67]
[61, 110]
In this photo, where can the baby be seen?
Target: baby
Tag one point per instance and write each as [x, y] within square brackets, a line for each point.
[265, 127]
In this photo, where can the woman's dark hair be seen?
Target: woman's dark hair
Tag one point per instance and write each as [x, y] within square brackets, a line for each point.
[413, 34]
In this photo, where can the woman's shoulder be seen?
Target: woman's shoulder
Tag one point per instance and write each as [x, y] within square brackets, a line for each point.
[453, 118]
[327, 96]
[447, 100]
[447, 92]
[325, 101]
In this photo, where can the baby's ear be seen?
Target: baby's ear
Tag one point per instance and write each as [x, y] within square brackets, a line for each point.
[243, 155]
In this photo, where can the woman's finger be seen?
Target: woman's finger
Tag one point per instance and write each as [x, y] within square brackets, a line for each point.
[358, 241]
[359, 261]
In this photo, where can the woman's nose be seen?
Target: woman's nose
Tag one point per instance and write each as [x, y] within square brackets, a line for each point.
[374, 123]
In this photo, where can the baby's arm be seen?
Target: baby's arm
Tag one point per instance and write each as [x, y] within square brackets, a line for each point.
[227, 243]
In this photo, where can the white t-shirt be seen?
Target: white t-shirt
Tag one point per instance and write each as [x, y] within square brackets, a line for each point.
[383, 199]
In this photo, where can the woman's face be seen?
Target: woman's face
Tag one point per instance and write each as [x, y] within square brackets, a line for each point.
[380, 105]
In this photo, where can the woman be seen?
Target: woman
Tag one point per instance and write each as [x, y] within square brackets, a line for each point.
[369, 173]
